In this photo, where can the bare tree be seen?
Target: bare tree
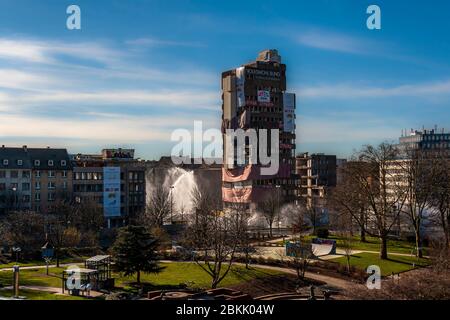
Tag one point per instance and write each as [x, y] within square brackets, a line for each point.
[440, 198]
[416, 171]
[270, 209]
[158, 207]
[371, 180]
[214, 235]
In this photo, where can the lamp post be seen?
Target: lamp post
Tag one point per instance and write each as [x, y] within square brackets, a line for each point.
[278, 207]
[171, 204]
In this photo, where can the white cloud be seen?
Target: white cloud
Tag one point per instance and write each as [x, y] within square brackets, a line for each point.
[154, 42]
[333, 41]
[347, 91]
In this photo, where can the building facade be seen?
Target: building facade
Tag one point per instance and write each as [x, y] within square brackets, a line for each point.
[317, 173]
[254, 98]
[33, 178]
[113, 181]
[426, 140]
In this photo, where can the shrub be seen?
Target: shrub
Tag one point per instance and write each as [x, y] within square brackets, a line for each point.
[323, 233]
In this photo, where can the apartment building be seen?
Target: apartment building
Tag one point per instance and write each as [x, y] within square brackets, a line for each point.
[33, 178]
[113, 181]
[15, 179]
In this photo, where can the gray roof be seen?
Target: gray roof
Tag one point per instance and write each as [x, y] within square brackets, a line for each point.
[29, 155]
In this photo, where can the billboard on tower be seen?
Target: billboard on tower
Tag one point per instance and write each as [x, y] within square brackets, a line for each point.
[289, 112]
[240, 87]
[111, 191]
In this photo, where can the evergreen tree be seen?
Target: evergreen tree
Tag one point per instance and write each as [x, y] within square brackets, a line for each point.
[135, 251]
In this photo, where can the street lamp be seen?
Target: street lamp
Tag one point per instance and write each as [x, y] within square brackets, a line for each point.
[279, 209]
[171, 204]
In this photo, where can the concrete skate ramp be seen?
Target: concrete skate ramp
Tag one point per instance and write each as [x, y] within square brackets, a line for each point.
[319, 250]
[323, 247]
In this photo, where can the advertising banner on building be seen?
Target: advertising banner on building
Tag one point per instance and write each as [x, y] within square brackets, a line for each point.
[240, 87]
[289, 112]
[264, 96]
[111, 191]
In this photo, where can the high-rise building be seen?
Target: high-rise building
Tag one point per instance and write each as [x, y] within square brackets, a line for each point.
[254, 97]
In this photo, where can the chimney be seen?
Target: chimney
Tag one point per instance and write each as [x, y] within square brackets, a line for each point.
[25, 148]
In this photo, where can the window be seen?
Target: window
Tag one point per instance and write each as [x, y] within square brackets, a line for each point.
[63, 163]
[51, 174]
[64, 174]
[51, 196]
[37, 197]
[14, 186]
[5, 162]
[19, 162]
[37, 174]
[14, 174]
[26, 174]
[50, 163]
[37, 185]
[37, 163]
[2, 174]
[64, 185]
[51, 185]
[25, 186]
[26, 198]
[2, 186]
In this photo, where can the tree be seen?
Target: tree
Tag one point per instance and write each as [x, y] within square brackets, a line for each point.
[214, 235]
[440, 198]
[416, 171]
[25, 230]
[134, 251]
[158, 208]
[270, 209]
[371, 180]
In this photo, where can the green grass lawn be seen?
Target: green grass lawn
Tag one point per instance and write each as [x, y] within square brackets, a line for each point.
[394, 264]
[174, 275]
[190, 273]
[372, 244]
[39, 295]
[34, 277]
[31, 263]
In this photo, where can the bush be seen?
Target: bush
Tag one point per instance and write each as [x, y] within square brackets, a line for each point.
[323, 233]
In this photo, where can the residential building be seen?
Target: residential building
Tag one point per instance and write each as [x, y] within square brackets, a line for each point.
[426, 140]
[33, 178]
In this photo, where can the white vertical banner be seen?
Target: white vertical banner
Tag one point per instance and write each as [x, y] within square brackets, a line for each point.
[289, 112]
[111, 191]
[240, 87]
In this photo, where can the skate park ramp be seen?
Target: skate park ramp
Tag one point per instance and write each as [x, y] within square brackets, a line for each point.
[323, 247]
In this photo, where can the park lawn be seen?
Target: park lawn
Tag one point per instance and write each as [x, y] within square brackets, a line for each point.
[39, 295]
[395, 263]
[32, 263]
[371, 244]
[177, 273]
[34, 277]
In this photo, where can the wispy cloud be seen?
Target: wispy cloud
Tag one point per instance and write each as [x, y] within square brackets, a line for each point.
[154, 42]
[348, 91]
[335, 41]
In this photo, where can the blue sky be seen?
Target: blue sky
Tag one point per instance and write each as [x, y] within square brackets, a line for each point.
[140, 69]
